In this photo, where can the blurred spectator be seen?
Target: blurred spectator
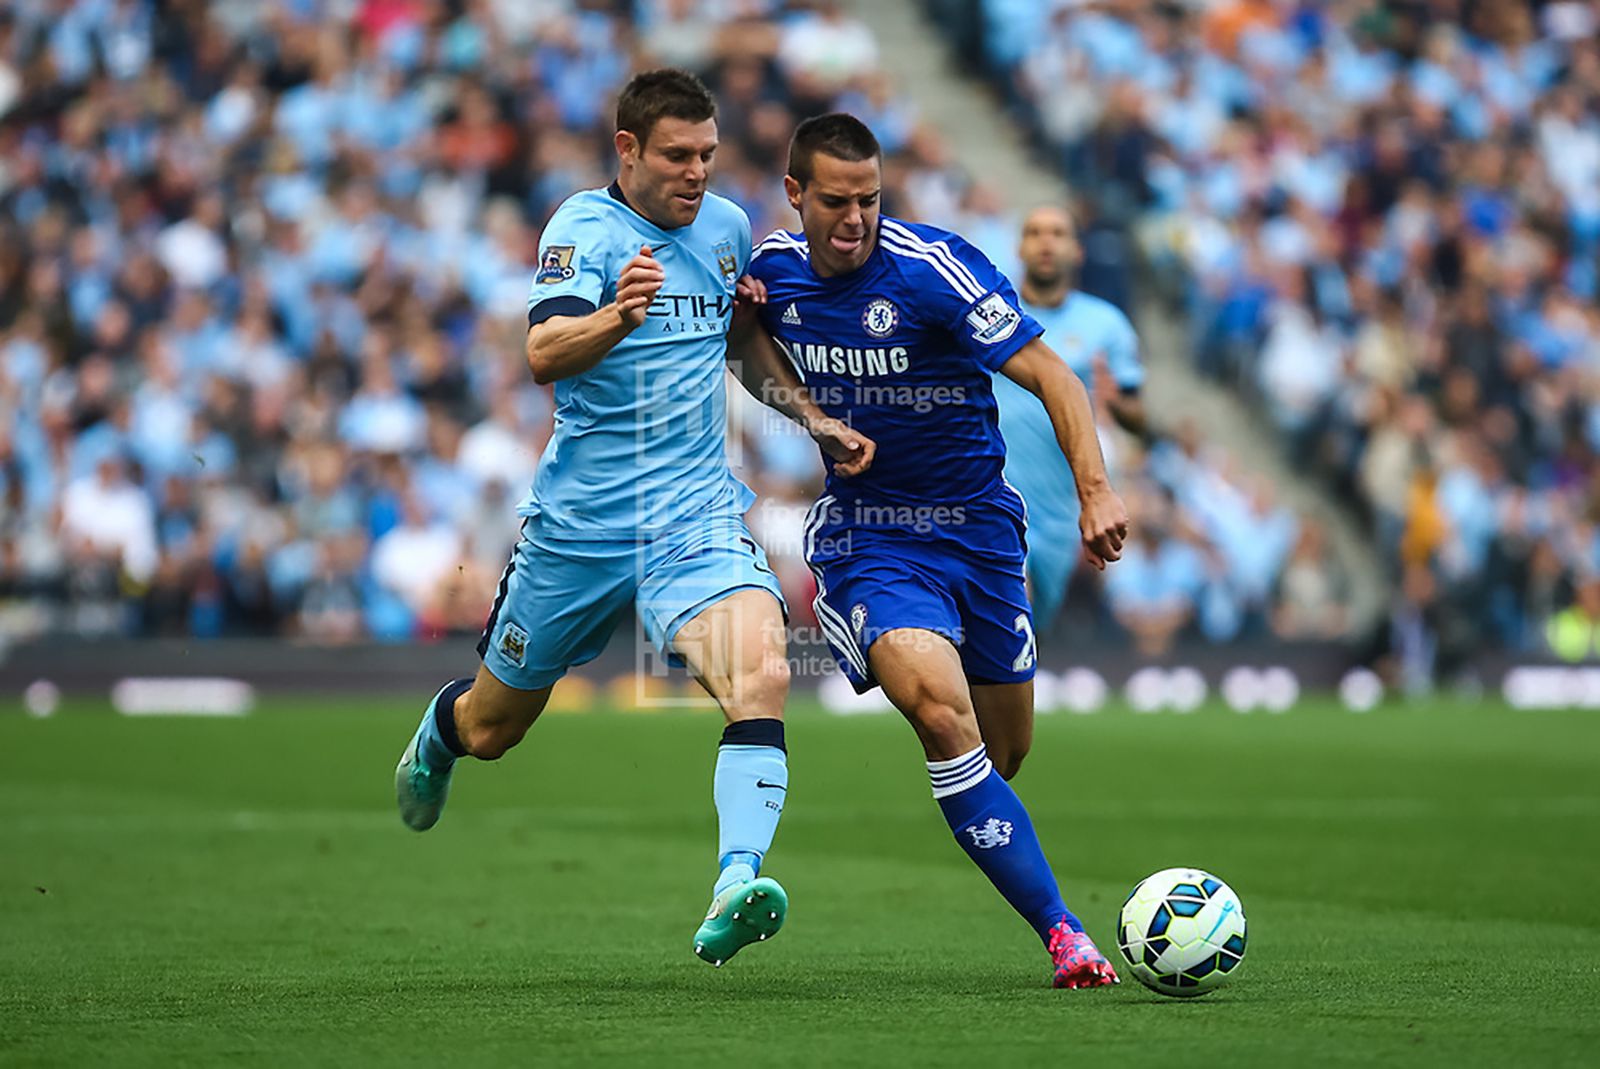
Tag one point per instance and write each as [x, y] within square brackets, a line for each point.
[1571, 633]
[1153, 590]
[1313, 595]
[106, 517]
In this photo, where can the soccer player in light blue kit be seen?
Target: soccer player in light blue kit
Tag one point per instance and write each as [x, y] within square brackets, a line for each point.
[896, 328]
[1098, 343]
[633, 502]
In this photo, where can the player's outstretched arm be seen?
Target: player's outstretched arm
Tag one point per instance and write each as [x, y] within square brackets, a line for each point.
[770, 378]
[563, 346]
[1104, 520]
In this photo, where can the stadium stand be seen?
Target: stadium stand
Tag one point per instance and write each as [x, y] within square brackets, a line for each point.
[1382, 221]
[263, 273]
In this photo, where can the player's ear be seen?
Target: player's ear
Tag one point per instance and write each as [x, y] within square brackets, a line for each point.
[628, 146]
[792, 189]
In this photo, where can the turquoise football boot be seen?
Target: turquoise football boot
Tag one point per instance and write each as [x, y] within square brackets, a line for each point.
[750, 912]
[419, 788]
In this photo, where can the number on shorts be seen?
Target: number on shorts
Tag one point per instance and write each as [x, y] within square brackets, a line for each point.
[1024, 627]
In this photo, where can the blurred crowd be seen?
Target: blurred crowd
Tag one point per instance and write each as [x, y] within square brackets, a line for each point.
[1382, 219]
[263, 280]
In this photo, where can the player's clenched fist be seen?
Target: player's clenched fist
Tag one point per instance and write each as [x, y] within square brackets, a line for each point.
[1104, 526]
[640, 282]
[852, 451]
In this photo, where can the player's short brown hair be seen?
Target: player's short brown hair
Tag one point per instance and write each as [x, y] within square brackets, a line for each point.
[842, 136]
[667, 93]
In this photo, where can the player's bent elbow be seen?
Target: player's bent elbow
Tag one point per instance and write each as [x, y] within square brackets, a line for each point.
[543, 358]
[539, 363]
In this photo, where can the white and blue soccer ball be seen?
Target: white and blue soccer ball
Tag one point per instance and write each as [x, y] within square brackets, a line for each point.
[1182, 932]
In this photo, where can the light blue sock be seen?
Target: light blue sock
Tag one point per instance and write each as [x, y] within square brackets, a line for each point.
[749, 787]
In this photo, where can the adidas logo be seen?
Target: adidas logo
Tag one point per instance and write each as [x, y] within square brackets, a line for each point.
[791, 315]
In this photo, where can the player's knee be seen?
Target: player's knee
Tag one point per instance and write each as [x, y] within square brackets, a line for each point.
[950, 730]
[759, 692]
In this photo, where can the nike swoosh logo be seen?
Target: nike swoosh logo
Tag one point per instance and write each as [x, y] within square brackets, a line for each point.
[779, 786]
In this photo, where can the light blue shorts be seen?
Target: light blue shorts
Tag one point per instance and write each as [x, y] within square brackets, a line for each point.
[1055, 545]
[560, 599]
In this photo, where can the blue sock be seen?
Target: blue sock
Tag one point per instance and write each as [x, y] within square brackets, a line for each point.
[993, 828]
[749, 787]
[440, 744]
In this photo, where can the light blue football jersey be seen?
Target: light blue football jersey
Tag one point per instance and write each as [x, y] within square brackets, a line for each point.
[1078, 329]
[639, 444]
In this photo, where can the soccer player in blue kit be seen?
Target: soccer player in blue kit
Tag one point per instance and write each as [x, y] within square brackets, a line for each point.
[1098, 343]
[633, 502]
[895, 328]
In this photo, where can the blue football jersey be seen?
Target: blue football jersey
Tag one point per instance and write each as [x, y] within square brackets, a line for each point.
[639, 443]
[903, 349]
[1078, 329]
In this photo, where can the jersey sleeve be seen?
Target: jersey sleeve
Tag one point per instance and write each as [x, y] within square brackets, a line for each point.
[1122, 354]
[968, 296]
[574, 273]
[766, 258]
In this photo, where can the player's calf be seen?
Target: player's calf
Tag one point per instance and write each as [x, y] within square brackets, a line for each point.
[1007, 762]
[491, 717]
[480, 716]
[1005, 717]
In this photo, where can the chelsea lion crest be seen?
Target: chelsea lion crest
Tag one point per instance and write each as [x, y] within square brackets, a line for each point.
[880, 317]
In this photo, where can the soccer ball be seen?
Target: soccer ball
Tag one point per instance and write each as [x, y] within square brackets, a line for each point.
[1181, 932]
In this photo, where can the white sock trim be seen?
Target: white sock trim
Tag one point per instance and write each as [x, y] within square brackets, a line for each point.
[959, 773]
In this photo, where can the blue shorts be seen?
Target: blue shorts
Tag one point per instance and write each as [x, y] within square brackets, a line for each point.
[965, 584]
[560, 599]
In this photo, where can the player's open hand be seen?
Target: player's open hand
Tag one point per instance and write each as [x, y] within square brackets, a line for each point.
[640, 282]
[1104, 526]
[852, 451]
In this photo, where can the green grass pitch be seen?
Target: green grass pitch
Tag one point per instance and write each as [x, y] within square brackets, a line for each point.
[1422, 886]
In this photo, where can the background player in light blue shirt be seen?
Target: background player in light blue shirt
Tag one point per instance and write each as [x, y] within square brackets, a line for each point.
[1098, 343]
[895, 328]
[633, 502]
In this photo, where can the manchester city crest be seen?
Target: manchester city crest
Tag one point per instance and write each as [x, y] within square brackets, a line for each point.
[880, 317]
[727, 262]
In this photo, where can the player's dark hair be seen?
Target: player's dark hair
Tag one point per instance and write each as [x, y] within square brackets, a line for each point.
[844, 137]
[668, 93]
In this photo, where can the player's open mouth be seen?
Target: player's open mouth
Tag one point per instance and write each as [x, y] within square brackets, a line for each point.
[688, 198]
[845, 245]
